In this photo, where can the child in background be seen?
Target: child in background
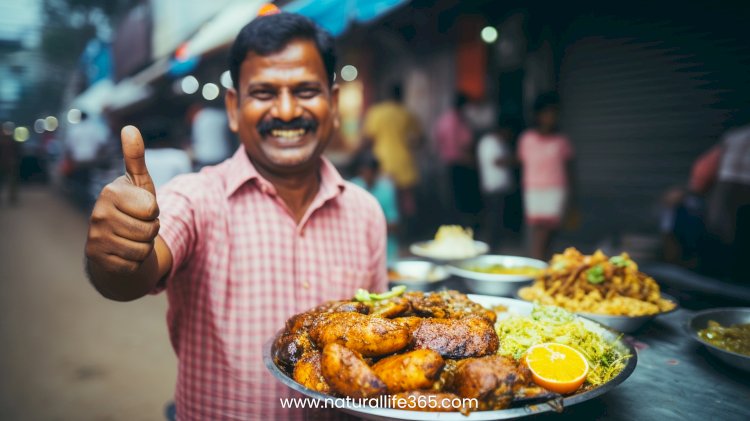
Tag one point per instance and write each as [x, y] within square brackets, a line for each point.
[546, 156]
[380, 186]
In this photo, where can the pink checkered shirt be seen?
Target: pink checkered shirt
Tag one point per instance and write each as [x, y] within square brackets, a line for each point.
[242, 266]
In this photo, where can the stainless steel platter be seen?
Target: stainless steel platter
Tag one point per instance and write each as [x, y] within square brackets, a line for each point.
[513, 306]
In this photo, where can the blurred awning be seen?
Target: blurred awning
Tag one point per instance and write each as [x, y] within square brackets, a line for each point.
[336, 15]
[221, 29]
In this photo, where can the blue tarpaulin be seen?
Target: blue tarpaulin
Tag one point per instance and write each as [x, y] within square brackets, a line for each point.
[336, 15]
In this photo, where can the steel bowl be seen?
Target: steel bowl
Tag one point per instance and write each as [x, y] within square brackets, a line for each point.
[725, 317]
[422, 249]
[495, 284]
[513, 306]
[628, 324]
[624, 324]
[416, 275]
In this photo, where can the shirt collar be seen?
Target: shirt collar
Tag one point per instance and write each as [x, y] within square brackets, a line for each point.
[241, 170]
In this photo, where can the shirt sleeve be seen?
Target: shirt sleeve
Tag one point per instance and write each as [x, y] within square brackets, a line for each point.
[378, 269]
[177, 224]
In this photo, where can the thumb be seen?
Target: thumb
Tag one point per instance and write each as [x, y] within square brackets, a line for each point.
[134, 154]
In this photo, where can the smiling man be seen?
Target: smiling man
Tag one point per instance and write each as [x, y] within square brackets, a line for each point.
[243, 245]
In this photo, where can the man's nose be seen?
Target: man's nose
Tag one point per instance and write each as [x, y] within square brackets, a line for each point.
[286, 107]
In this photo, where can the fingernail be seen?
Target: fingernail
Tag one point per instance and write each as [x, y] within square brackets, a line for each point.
[129, 131]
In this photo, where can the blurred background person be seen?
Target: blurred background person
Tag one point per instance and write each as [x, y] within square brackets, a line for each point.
[393, 133]
[683, 216]
[546, 156]
[455, 145]
[210, 137]
[85, 143]
[10, 153]
[728, 220]
[496, 163]
[163, 159]
[370, 178]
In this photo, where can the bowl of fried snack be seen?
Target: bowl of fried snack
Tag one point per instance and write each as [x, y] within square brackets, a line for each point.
[444, 355]
[493, 274]
[609, 290]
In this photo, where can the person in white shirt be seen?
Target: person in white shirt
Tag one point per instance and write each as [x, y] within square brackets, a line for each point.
[211, 143]
[84, 145]
[495, 160]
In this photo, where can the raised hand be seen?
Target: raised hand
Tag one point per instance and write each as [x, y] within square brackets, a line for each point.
[124, 223]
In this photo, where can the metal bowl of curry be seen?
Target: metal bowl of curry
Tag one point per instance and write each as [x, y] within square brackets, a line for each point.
[499, 275]
[725, 332]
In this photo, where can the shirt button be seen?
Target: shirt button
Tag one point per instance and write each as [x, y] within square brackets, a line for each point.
[306, 284]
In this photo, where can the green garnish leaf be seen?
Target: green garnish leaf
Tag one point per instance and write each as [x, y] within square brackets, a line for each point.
[619, 261]
[364, 296]
[595, 275]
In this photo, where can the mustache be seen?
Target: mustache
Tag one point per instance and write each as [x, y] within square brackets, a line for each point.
[265, 127]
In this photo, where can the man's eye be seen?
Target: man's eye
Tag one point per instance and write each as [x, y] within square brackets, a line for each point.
[307, 93]
[262, 95]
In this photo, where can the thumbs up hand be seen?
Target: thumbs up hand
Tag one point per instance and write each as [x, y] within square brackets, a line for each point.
[124, 222]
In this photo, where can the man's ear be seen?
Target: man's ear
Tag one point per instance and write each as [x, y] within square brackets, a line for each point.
[231, 103]
[335, 106]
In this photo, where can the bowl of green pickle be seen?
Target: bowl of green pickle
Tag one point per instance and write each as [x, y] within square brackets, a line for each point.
[725, 332]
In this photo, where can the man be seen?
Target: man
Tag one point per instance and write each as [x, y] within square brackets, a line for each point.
[455, 145]
[394, 131]
[241, 246]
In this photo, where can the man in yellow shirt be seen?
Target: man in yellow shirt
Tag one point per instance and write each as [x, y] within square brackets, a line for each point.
[393, 132]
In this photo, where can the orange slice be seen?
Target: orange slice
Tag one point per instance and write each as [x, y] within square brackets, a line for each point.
[557, 367]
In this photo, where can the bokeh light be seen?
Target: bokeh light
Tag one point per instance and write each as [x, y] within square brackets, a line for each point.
[348, 73]
[39, 125]
[210, 91]
[226, 79]
[489, 34]
[189, 85]
[74, 116]
[21, 134]
[50, 123]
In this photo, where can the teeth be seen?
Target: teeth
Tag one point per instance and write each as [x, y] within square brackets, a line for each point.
[288, 134]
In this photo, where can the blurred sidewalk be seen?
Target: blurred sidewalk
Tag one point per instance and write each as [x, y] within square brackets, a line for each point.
[66, 353]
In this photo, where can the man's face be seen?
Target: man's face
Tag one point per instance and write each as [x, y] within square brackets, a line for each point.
[285, 112]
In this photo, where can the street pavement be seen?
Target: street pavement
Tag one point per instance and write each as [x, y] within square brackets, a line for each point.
[66, 353]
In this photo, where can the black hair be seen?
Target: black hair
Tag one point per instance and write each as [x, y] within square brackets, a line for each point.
[546, 100]
[269, 34]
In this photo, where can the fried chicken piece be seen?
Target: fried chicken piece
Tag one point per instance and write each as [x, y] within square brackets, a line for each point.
[392, 307]
[348, 374]
[410, 371]
[308, 372]
[409, 322]
[289, 348]
[447, 305]
[370, 336]
[344, 306]
[456, 338]
[493, 380]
